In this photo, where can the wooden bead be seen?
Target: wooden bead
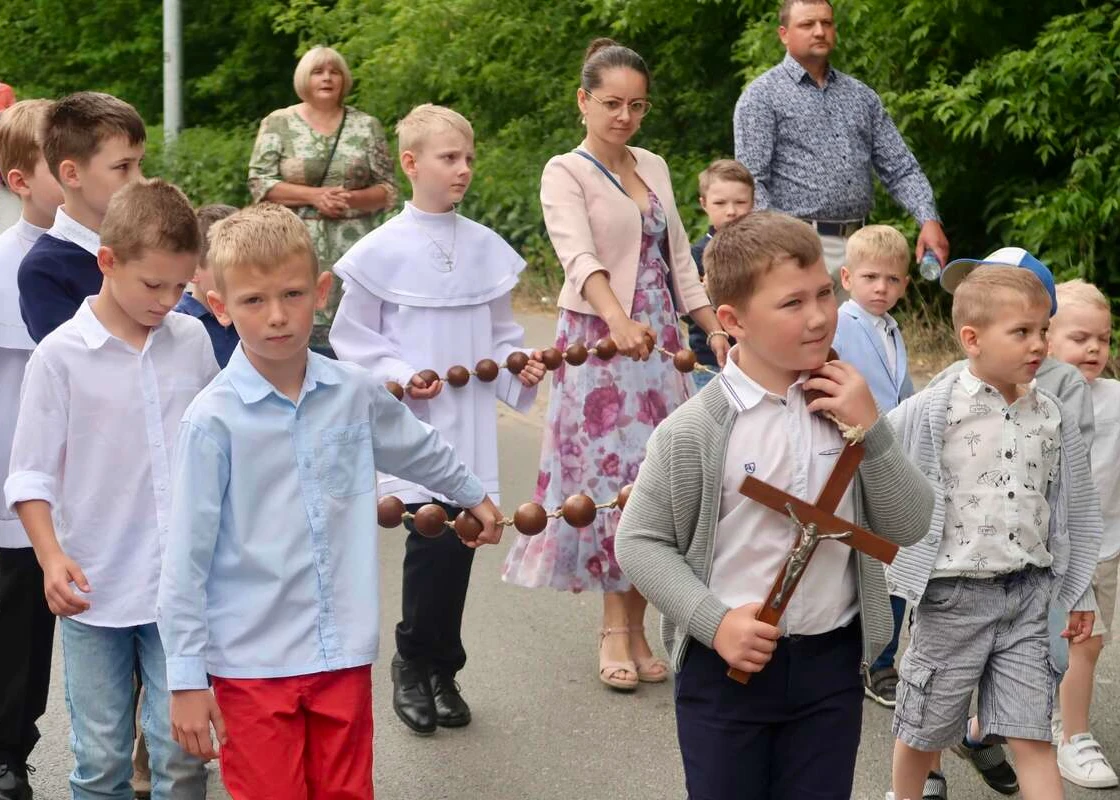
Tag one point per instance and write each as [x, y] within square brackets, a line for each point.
[605, 348]
[467, 526]
[430, 520]
[395, 389]
[486, 370]
[624, 495]
[458, 376]
[651, 343]
[516, 362]
[576, 354]
[552, 358]
[429, 376]
[684, 361]
[530, 519]
[390, 511]
[579, 511]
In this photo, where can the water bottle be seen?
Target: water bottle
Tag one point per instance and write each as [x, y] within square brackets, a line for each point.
[929, 266]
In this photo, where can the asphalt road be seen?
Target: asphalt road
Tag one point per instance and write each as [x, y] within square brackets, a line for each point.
[544, 727]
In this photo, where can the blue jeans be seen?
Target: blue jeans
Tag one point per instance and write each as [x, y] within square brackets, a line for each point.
[100, 664]
[700, 379]
[886, 659]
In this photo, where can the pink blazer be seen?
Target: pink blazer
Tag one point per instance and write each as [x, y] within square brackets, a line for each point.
[595, 227]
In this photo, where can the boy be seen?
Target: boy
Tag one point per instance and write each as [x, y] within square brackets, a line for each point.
[280, 608]
[706, 555]
[1016, 525]
[1080, 335]
[877, 260]
[726, 193]
[223, 337]
[430, 289]
[25, 668]
[101, 401]
[93, 144]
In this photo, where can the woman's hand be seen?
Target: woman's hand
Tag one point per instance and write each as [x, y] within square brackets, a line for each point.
[332, 201]
[634, 339]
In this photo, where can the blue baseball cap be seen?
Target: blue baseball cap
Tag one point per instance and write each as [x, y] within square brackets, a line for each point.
[957, 270]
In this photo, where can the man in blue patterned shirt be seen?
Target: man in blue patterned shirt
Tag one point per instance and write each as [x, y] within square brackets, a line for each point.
[812, 136]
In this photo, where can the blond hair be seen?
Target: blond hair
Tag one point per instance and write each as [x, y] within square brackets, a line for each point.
[426, 120]
[78, 125]
[149, 215]
[725, 169]
[750, 247]
[1081, 293]
[20, 135]
[321, 56]
[985, 293]
[879, 243]
[262, 237]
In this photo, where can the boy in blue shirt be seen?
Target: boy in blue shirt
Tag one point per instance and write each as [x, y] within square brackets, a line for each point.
[867, 337]
[280, 609]
[223, 337]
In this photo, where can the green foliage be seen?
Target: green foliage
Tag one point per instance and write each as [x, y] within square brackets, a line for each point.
[209, 164]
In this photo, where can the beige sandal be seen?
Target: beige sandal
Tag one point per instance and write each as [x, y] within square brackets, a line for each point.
[651, 669]
[612, 673]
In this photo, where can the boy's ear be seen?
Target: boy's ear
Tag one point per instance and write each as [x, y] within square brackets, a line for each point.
[322, 289]
[408, 164]
[729, 318]
[17, 182]
[106, 261]
[969, 340]
[845, 278]
[68, 174]
[704, 203]
[218, 307]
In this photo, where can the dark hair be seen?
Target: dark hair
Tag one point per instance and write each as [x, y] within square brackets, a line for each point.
[741, 252]
[603, 54]
[77, 125]
[787, 6]
[207, 216]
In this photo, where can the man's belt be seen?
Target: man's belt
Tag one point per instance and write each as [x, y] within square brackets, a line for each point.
[842, 228]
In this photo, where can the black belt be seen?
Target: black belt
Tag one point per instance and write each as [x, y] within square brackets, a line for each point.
[830, 228]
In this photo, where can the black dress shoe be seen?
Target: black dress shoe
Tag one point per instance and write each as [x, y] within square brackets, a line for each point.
[13, 783]
[452, 710]
[412, 696]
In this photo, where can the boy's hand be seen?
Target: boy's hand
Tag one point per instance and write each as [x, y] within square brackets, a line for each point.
[488, 514]
[1080, 626]
[847, 396]
[58, 574]
[192, 713]
[420, 389]
[534, 370]
[744, 642]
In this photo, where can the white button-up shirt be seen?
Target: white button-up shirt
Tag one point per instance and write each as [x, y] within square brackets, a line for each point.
[97, 419]
[70, 230]
[997, 461]
[779, 442]
[887, 329]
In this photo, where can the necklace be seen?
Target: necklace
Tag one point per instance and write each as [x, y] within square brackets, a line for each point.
[447, 257]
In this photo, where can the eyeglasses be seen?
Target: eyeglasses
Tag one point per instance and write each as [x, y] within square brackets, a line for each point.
[637, 108]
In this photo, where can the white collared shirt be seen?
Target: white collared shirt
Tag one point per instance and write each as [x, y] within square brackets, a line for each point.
[776, 440]
[70, 230]
[1106, 459]
[886, 328]
[997, 461]
[96, 421]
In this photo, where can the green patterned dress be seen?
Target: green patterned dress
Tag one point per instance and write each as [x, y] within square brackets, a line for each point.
[289, 150]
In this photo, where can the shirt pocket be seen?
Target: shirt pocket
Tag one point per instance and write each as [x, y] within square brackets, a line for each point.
[348, 455]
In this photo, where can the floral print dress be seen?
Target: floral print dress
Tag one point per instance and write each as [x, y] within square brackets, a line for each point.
[600, 416]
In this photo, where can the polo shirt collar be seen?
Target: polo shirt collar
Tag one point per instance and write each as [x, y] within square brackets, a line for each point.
[972, 385]
[252, 387]
[68, 228]
[743, 392]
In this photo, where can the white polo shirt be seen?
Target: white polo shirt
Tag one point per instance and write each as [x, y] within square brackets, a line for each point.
[776, 440]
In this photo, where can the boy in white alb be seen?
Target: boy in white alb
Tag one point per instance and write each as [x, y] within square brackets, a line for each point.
[430, 289]
[1080, 334]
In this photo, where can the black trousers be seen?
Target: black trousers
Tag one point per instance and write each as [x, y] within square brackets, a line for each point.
[436, 575]
[790, 734]
[27, 626]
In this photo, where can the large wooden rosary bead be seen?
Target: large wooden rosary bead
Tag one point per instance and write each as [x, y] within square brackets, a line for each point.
[467, 526]
[605, 348]
[429, 376]
[486, 370]
[430, 520]
[579, 511]
[395, 389]
[552, 358]
[516, 362]
[390, 511]
[530, 519]
[576, 354]
[458, 376]
[624, 495]
[684, 361]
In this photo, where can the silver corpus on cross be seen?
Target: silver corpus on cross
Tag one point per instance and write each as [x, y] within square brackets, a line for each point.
[807, 541]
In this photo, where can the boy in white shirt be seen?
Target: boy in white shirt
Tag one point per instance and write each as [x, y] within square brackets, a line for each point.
[25, 669]
[1080, 334]
[101, 401]
[430, 289]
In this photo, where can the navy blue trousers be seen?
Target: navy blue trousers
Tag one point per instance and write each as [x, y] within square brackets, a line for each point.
[790, 734]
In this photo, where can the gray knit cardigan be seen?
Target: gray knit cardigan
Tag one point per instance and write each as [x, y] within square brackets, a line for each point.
[666, 536]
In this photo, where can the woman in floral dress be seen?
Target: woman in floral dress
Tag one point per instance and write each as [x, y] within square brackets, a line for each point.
[613, 222]
[336, 194]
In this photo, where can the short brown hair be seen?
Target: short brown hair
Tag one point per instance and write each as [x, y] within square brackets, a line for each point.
[262, 237]
[880, 243]
[787, 6]
[207, 216]
[149, 215]
[725, 169]
[21, 126]
[750, 247]
[79, 124]
[985, 292]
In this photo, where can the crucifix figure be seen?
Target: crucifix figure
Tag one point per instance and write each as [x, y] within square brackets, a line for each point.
[814, 524]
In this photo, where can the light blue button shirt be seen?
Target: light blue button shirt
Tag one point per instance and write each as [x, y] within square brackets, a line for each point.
[270, 568]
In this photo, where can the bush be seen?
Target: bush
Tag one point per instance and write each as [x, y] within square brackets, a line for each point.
[210, 164]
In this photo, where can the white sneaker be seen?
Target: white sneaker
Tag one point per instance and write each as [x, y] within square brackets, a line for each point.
[1083, 763]
[1056, 731]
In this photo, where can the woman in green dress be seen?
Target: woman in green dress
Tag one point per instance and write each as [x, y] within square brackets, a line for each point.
[327, 161]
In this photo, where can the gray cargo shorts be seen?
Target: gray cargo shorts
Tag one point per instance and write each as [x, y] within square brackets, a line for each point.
[986, 633]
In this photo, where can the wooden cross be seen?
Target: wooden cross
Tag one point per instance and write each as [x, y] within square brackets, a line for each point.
[815, 523]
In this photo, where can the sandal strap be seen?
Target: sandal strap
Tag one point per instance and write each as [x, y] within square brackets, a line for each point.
[613, 631]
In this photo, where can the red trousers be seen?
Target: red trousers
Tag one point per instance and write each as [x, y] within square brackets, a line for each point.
[309, 737]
